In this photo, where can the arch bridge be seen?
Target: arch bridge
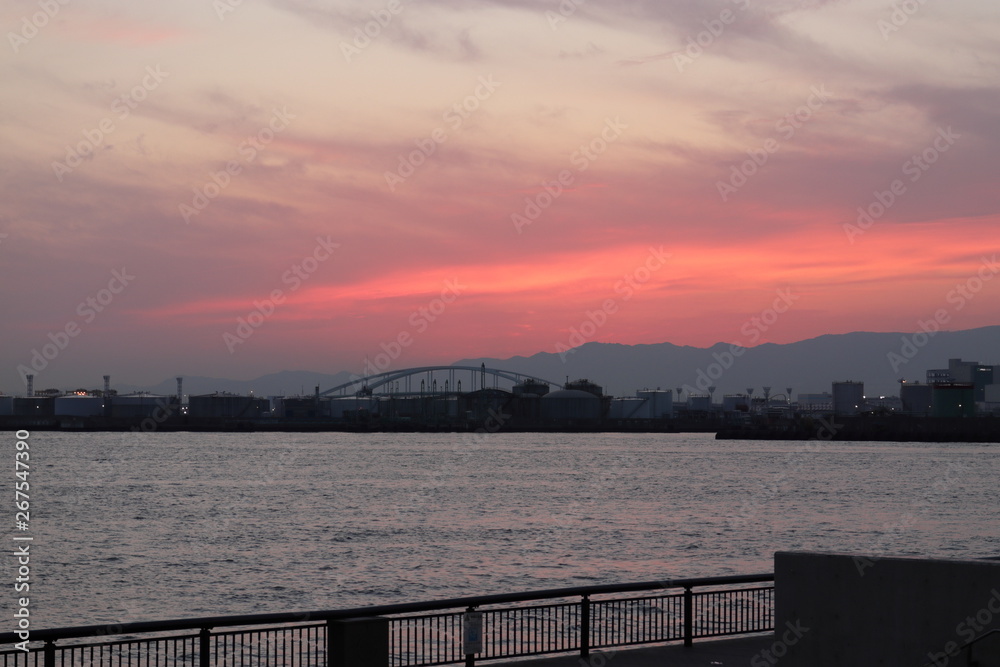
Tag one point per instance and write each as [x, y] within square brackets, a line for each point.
[452, 383]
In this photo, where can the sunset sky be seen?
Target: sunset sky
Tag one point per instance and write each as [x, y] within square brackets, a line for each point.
[473, 177]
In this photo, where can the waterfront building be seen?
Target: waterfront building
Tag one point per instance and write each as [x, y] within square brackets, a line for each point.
[966, 372]
[229, 406]
[915, 398]
[953, 399]
[141, 405]
[815, 402]
[571, 406]
[74, 405]
[735, 402]
[646, 404]
[848, 397]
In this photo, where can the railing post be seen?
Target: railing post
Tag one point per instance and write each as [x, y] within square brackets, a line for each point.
[330, 648]
[585, 627]
[358, 642]
[204, 647]
[688, 616]
[470, 658]
[50, 653]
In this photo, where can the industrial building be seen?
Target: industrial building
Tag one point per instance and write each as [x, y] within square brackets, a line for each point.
[222, 405]
[395, 400]
[568, 407]
[141, 405]
[647, 404]
[966, 372]
[953, 399]
[916, 398]
[76, 405]
[848, 397]
[699, 403]
[735, 403]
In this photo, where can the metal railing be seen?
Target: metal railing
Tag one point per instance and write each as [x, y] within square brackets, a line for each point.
[425, 633]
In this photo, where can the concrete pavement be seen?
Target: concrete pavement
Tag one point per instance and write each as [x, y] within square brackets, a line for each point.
[725, 652]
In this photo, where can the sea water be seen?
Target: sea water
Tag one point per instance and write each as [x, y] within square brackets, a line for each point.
[131, 527]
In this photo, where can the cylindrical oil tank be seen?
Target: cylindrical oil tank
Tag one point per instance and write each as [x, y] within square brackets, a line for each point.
[848, 397]
[701, 402]
[733, 402]
[571, 405]
[79, 406]
[628, 408]
[659, 404]
[916, 398]
[133, 406]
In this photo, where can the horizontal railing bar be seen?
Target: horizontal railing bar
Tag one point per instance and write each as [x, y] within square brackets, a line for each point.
[377, 610]
[126, 642]
[254, 629]
[421, 617]
[38, 644]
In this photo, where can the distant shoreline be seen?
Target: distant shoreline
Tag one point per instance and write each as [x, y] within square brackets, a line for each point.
[893, 428]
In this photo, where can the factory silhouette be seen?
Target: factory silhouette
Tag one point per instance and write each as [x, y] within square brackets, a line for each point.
[957, 402]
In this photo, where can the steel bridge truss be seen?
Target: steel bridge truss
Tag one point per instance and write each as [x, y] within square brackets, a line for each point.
[429, 384]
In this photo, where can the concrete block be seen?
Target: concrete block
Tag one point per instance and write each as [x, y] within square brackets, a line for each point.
[358, 642]
[851, 609]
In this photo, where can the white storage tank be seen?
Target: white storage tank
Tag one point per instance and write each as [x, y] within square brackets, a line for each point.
[139, 406]
[79, 406]
[701, 402]
[659, 403]
[571, 405]
[734, 402]
[628, 408]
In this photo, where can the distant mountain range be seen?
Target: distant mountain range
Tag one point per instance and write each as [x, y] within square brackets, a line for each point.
[877, 359]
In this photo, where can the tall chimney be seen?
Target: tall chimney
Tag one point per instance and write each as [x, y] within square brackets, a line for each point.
[31, 385]
[107, 385]
[180, 389]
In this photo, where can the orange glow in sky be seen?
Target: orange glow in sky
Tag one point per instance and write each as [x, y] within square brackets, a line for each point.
[519, 163]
